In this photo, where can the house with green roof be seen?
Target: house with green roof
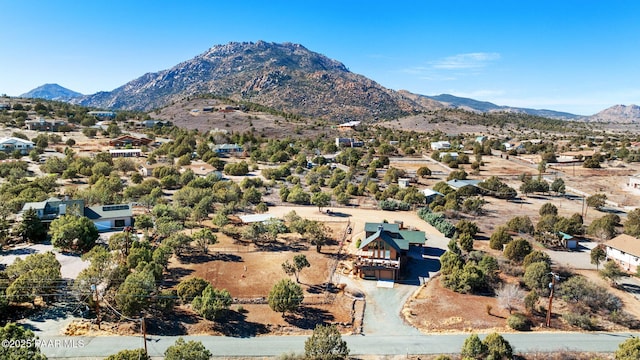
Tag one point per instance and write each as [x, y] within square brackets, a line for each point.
[382, 255]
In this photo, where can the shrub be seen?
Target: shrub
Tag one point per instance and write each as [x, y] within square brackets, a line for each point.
[519, 322]
[393, 205]
[438, 221]
[517, 249]
[583, 321]
[531, 300]
[499, 238]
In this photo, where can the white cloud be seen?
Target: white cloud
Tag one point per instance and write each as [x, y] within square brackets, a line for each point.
[465, 61]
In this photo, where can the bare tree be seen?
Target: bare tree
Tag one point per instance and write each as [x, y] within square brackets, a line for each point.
[510, 296]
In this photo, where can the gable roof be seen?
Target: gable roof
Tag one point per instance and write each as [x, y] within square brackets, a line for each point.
[397, 244]
[458, 184]
[413, 237]
[625, 243]
[431, 192]
[373, 227]
[15, 140]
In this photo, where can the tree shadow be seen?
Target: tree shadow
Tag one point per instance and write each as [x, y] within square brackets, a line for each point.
[320, 288]
[338, 214]
[175, 274]
[308, 317]
[277, 246]
[228, 257]
[235, 324]
[18, 252]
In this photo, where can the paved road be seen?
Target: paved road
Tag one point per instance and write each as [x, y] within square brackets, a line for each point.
[92, 347]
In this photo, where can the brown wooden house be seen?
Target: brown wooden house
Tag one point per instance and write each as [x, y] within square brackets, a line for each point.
[383, 254]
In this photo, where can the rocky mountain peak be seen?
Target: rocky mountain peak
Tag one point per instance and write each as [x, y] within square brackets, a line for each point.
[619, 114]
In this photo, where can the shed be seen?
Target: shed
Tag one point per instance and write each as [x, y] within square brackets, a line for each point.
[569, 241]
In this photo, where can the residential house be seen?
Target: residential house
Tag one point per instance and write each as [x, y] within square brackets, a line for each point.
[50, 209]
[10, 144]
[625, 250]
[440, 145]
[382, 255]
[151, 123]
[4, 106]
[105, 217]
[146, 169]
[430, 195]
[481, 139]
[227, 148]
[128, 140]
[456, 184]
[102, 114]
[634, 182]
[110, 217]
[450, 155]
[125, 153]
[348, 142]
[351, 125]
[201, 168]
[42, 124]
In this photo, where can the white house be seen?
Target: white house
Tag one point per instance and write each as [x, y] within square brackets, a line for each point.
[110, 217]
[625, 250]
[440, 145]
[634, 182]
[10, 144]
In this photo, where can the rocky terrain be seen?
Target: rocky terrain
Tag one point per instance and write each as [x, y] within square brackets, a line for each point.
[287, 77]
[617, 114]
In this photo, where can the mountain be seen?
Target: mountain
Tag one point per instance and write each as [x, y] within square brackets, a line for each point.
[286, 76]
[485, 106]
[52, 92]
[618, 114]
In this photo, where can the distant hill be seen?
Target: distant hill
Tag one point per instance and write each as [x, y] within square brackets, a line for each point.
[625, 114]
[52, 92]
[485, 106]
[287, 77]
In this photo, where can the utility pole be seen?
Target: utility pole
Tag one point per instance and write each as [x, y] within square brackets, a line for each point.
[552, 286]
[144, 334]
[97, 301]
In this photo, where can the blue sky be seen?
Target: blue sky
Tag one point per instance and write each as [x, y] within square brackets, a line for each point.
[565, 55]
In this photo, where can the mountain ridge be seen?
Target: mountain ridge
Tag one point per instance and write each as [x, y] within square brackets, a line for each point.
[293, 79]
[52, 92]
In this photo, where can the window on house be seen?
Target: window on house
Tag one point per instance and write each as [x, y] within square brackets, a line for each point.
[119, 223]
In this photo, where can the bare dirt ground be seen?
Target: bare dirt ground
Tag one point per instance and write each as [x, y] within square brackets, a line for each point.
[249, 272]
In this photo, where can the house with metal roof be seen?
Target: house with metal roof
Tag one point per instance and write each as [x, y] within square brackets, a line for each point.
[456, 184]
[105, 217]
[440, 145]
[50, 209]
[11, 144]
[382, 255]
[125, 140]
[625, 250]
[110, 217]
[226, 148]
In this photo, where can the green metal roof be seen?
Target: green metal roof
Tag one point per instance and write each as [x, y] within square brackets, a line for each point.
[413, 237]
[373, 227]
